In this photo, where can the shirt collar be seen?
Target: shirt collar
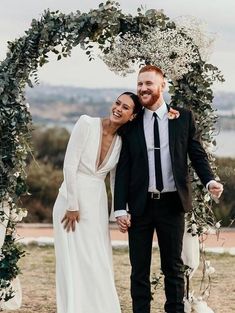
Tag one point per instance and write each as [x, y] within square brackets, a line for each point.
[161, 111]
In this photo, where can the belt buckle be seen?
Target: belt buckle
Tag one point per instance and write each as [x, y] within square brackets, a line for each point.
[155, 195]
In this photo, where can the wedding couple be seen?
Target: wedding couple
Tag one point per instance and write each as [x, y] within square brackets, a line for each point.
[146, 152]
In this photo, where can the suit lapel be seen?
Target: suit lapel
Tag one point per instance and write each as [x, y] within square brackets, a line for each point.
[142, 141]
[171, 125]
[172, 129]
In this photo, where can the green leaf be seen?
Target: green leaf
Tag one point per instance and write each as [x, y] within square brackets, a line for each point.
[4, 99]
[55, 51]
[30, 84]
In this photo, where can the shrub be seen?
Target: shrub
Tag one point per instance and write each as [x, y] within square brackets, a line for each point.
[44, 181]
[225, 210]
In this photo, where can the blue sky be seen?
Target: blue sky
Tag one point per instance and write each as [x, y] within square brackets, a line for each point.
[16, 15]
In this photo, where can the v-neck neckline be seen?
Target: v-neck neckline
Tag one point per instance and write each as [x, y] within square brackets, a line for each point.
[109, 152]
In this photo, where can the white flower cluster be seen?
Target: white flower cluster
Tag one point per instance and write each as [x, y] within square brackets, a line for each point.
[207, 230]
[196, 305]
[208, 268]
[16, 215]
[123, 55]
[196, 30]
[2, 256]
[194, 229]
[170, 50]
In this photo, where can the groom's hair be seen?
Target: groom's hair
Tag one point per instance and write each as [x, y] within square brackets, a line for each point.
[151, 68]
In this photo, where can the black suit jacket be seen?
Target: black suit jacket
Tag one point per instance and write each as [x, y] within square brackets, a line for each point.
[132, 174]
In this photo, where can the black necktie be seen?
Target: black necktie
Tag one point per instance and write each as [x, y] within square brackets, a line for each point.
[157, 155]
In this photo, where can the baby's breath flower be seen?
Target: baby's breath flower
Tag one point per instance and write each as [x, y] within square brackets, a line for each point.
[2, 256]
[196, 30]
[194, 228]
[207, 197]
[208, 268]
[169, 49]
[17, 215]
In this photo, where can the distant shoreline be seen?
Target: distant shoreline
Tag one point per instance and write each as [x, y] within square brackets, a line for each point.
[224, 139]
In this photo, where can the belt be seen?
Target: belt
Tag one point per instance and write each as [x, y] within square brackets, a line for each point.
[161, 195]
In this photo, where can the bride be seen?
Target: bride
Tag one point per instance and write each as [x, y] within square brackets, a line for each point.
[84, 274]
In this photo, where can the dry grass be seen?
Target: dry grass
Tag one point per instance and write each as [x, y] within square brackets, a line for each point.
[39, 286]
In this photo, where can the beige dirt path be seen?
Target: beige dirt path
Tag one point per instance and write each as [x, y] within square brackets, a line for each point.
[226, 238]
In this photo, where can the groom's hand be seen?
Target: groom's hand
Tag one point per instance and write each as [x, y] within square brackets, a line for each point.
[123, 222]
[216, 189]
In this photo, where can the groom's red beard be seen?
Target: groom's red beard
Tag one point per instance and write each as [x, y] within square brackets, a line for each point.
[153, 99]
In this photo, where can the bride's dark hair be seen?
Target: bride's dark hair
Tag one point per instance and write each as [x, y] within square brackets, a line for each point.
[137, 109]
[137, 104]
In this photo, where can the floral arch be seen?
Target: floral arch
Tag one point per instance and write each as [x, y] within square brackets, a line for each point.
[123, 41]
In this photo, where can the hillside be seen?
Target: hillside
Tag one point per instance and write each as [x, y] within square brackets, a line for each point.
[64, 104]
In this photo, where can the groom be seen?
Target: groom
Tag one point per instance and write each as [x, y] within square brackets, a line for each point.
[152, 178]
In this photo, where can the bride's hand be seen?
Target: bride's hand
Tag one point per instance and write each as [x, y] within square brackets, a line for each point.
[69, 220]
[123, 222]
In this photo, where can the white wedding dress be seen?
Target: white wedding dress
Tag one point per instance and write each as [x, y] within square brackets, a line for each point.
[84, 273]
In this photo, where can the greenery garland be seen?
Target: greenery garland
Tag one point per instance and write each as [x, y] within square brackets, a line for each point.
[58, 33]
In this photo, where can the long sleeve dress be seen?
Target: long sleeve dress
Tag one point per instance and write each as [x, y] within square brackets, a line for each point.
[84, 273]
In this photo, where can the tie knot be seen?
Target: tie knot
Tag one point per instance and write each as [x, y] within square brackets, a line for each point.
[155, 115]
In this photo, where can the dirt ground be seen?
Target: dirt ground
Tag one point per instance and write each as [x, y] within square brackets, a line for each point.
[38, 281]
[225, 240]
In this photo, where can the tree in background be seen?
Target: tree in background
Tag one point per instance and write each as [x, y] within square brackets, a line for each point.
[225, 210]
[43, 181]
[50, 144]
[45, 172]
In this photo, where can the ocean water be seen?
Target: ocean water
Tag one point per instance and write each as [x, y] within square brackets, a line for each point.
[225, 144]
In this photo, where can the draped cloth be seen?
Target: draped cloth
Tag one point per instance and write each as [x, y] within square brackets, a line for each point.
[191, 251]
[191, 258]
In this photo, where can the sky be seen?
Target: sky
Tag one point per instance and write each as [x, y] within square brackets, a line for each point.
[219, 16]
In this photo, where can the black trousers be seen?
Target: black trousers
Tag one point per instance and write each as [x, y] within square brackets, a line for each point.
[166, 216]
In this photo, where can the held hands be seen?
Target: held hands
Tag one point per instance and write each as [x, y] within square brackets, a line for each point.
[69, 220]
[123, 222]
[215, 189]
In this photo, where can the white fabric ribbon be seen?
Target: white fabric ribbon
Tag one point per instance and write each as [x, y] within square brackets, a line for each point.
[191, 251]
[191, 258]
[196, 306]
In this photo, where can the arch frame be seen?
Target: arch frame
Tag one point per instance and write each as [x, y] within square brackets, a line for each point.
[59, 33]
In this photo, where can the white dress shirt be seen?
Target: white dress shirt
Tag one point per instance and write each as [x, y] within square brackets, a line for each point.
[167, 174]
